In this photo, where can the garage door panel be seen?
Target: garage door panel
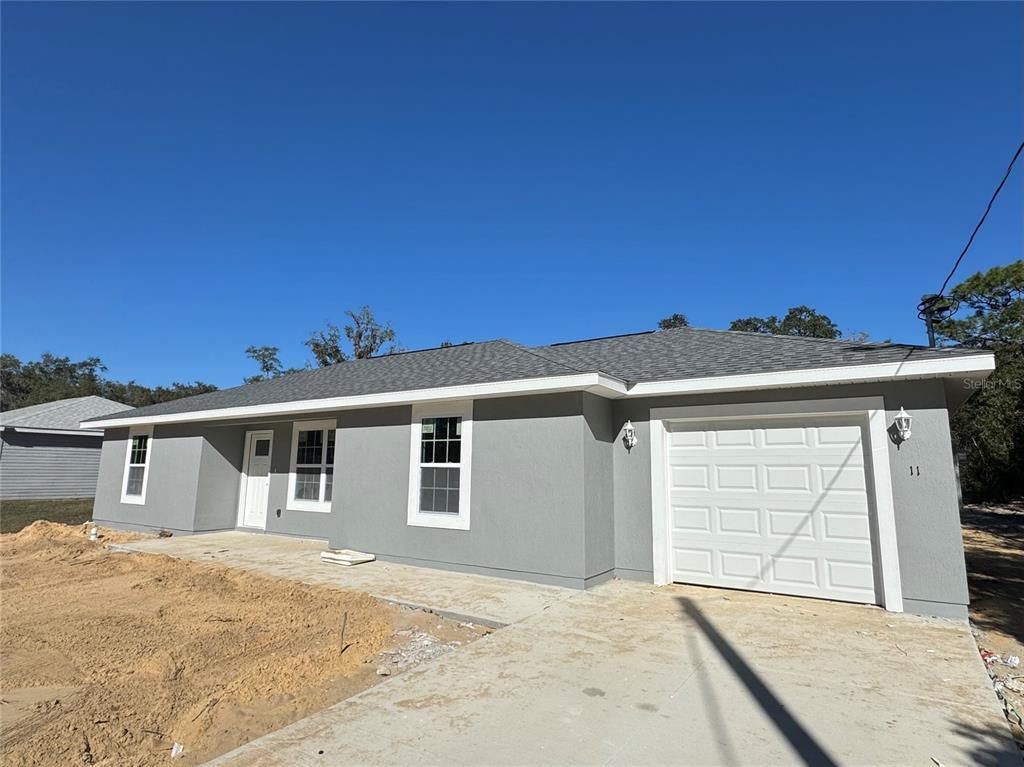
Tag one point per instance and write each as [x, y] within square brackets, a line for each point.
[736, 477]
[693, 561]
[796, 477]
[790, 524]
[772, 506]
[691, 518]
[738, 521]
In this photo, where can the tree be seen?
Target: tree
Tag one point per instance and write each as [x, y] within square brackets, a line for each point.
[268, 360]
[365, 335]
[988, 430]
[52, 378]
[799, 321]
[676, 320]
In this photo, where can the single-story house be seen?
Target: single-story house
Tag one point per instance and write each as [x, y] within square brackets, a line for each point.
[730, 459]
[44, 454]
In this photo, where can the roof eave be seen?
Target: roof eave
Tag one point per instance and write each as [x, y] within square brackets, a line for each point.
[969, 367]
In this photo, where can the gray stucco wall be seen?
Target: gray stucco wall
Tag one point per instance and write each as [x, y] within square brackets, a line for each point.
[598, 488]
[527, 504]
[43, 466]
[929, 540]
[171, 488]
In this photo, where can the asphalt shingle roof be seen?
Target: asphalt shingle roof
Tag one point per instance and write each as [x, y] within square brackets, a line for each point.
[63, 413]
[653, 356]
[699, 352]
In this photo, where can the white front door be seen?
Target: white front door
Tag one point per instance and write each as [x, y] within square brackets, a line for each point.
[256, 483]
[779, 505]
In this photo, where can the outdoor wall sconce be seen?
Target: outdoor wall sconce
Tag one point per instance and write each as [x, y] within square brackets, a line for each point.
[629, 436]
[901, 426]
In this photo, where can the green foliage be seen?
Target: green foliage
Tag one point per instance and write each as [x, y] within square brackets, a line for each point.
[988, 430]
[995, 300]
[799, 321]
[676, 320]
[52, 378]
[269, 361]
[364, 333]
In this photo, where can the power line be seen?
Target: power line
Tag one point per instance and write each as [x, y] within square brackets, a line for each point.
[981, 221]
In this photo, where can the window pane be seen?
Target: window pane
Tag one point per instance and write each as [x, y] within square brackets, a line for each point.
[135, 477]
[427, 453]
[262, 447]
[307, 484]
[440, 452]
[139, 446]
[454, 451]
[329, 487]
[426, 500]
[330, 448]
[311, 447]
[453, 501]
[428, 427]
[441, 431]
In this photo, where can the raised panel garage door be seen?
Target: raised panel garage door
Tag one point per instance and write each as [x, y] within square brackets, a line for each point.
[771, 505]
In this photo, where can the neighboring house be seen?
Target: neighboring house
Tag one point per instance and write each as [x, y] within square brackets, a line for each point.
[44, 453]
[761, 462]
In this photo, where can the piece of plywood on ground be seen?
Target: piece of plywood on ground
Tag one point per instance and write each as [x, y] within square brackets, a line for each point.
[346, 557]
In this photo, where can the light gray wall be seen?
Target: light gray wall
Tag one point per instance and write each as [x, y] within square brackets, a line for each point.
[598, 488]
[44, 466]
[927, 511]
[174, 468]
[527, 508]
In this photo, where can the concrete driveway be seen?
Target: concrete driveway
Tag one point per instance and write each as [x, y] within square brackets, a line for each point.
[632, 674]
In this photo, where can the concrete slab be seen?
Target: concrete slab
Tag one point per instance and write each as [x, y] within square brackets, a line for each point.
[487, 601]
[632, 674]
[628, 674]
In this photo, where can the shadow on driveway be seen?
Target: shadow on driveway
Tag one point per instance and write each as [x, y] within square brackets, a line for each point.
[805, 745]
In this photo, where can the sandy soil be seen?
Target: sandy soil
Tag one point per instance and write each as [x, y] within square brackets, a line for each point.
[994, 548]
[110, 658]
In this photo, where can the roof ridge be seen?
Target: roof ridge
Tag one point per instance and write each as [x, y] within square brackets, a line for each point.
[535, 353]
[754, 333]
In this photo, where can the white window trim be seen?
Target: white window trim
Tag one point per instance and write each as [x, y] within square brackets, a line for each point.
[320, 506]
[871, 409]
[417, 518]
[137, 431]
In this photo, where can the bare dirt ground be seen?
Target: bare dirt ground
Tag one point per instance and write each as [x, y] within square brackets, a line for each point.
[994, 548]
[109, 658]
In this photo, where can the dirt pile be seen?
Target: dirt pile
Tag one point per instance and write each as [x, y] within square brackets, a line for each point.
[110, 658]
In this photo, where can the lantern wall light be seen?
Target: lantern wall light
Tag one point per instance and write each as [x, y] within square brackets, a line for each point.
[629, 436]
[901, 426]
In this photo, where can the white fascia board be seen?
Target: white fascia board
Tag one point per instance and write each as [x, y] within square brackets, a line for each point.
[87, 432]
[598, 383]
[975, 365]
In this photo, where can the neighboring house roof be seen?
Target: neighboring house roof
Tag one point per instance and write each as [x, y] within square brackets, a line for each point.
[61, 415]
[615, 366]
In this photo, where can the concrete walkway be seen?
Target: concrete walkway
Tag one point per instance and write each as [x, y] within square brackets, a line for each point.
[492, 602]
[631, 674]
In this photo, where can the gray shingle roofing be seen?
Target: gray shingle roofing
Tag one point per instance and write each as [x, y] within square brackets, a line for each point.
[62, 414]
[652, 356]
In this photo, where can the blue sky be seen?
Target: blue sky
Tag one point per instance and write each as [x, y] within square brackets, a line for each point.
[182, 180]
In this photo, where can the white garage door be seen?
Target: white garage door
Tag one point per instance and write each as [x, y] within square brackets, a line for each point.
[771, 505]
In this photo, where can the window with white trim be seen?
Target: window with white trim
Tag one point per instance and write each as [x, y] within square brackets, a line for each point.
[136, 465]
[311, 479]
[439, 472]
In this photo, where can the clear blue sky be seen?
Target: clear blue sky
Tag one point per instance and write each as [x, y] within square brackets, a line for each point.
[181, 180]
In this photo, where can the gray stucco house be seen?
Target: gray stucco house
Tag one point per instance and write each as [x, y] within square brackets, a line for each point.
[44, 454]
[696, 456]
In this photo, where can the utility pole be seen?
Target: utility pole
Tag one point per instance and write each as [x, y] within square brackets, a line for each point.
[935, 308]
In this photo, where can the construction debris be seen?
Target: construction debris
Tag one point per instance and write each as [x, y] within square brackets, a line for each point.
[346, 557]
